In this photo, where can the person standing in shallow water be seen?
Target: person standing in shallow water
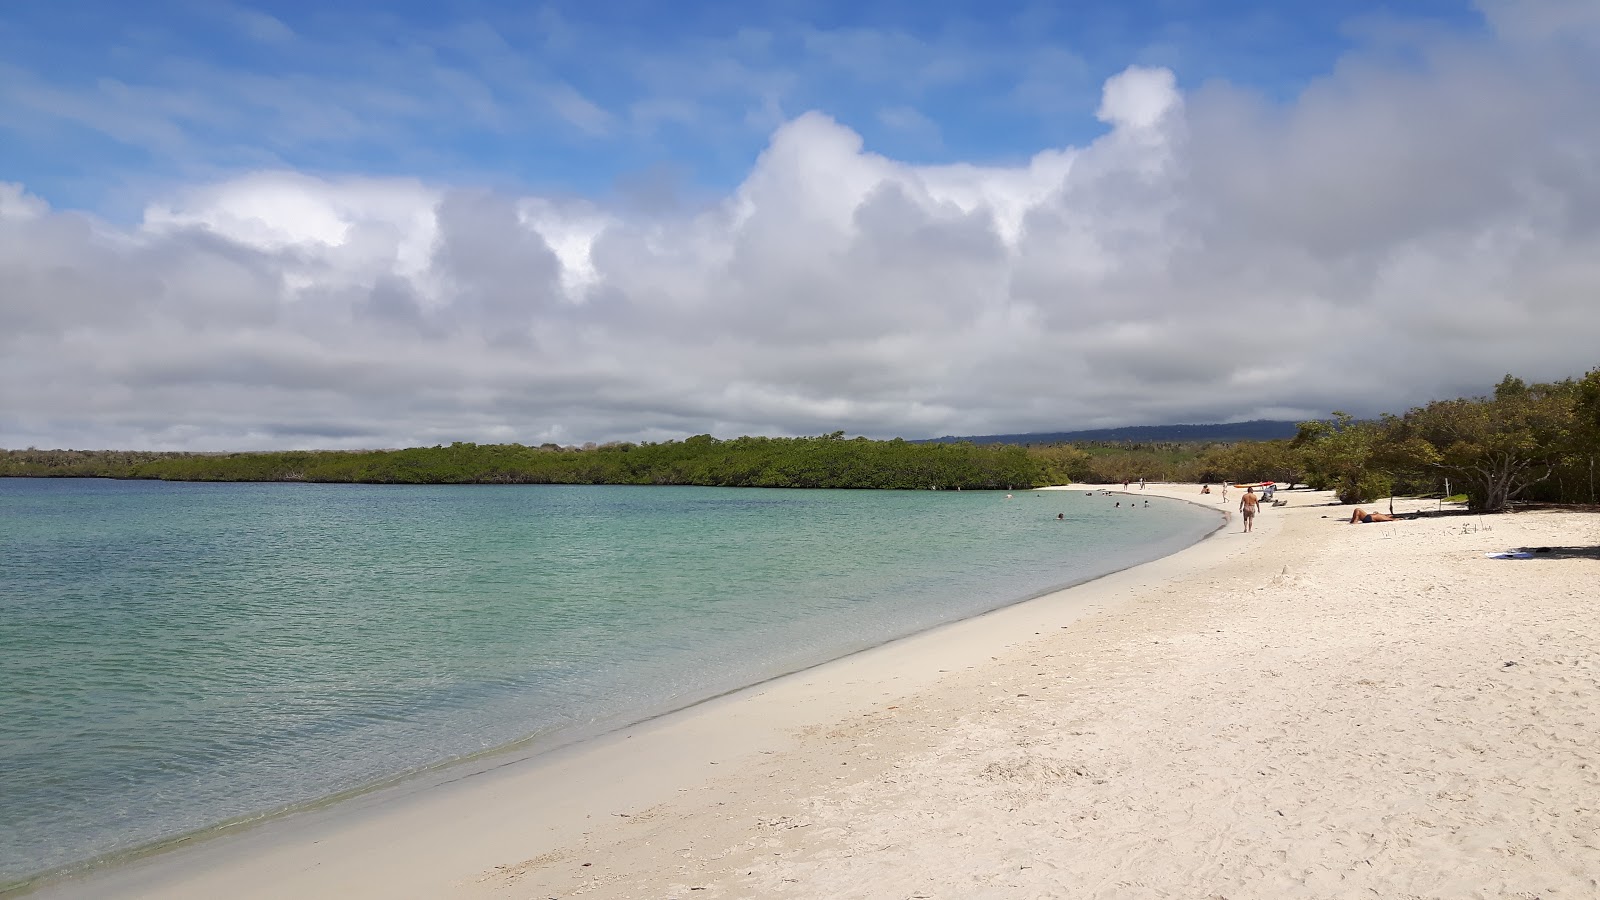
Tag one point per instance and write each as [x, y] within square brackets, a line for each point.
[1247, 508]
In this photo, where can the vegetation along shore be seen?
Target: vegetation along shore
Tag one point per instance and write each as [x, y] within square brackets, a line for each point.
[1525, 442]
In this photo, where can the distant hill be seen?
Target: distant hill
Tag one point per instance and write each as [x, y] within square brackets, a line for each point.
[1257, 430]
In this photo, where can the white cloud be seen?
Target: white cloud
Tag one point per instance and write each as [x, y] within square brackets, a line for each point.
[1139, 100]
[578, 110]
[1394, 234]
[17, 205]
[1538, 21]
[325, 234]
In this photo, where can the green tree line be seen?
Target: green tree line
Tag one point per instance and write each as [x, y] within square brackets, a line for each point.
[1525, 442]
[828, 461]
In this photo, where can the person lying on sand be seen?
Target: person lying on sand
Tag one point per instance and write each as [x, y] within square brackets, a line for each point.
[1361, 515]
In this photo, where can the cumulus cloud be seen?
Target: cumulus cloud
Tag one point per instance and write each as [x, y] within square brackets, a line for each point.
[1403, 229]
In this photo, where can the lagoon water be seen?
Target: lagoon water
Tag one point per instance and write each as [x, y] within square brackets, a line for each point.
[173, 656]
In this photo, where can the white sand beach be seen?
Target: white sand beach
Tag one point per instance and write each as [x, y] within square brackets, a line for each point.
[1315, 709]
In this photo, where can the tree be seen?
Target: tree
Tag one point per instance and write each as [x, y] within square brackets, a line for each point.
[1586, 412]
[1586, 429]
[1061, 463]
[1337, 456]
[1497, 447]
[1256, 461]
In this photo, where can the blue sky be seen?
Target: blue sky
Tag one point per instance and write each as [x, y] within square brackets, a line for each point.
[102, 103]
[234, 226]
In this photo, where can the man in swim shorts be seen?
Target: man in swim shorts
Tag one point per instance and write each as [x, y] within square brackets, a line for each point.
[1361, 515]
[1247, 508]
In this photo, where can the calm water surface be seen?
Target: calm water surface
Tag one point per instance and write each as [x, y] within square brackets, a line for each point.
[173, 656]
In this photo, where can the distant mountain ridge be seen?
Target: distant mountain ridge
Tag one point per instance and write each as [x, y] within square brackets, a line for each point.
[1254, 430]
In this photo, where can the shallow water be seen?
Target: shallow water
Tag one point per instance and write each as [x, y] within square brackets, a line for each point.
[176, 655]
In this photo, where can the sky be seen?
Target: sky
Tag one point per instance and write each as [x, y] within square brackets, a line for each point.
[276, 225]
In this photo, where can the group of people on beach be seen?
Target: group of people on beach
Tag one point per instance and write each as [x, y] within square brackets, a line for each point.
[1250, 505]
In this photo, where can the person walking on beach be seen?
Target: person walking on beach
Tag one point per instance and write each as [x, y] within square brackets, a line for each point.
[1247, 508]
[1141, 484]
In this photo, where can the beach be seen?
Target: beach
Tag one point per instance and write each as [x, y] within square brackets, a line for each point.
[1315, 709]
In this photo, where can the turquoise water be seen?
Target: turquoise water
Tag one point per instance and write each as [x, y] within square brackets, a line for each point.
[176, 655]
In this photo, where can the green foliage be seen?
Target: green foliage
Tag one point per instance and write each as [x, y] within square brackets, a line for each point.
[1526, 442]
[828, 461]
[1498, 447]
[1109, 463]
[1586, 411]
[1061, 463]
[34, 463]
[1338, 456]
[1250, 461]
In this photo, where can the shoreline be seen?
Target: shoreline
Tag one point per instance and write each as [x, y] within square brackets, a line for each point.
[529, 752]
[1316, 709]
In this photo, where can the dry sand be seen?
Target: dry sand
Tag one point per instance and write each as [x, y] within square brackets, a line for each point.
[1312, 710]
